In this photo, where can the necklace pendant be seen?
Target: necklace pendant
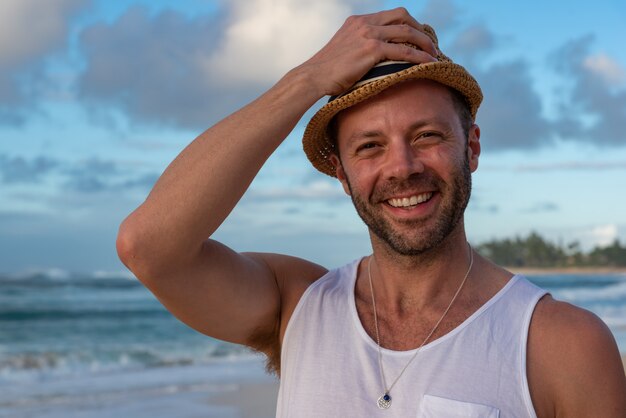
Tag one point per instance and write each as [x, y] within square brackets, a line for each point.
[384, 402]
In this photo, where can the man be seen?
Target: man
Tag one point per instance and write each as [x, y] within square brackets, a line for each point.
[422, 327]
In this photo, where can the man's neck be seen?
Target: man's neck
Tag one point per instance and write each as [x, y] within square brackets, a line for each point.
[414, 282]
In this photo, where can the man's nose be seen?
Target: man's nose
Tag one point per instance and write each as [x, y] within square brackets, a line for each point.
[402, 161]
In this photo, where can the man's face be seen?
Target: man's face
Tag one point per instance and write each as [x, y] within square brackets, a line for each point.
[407, 164]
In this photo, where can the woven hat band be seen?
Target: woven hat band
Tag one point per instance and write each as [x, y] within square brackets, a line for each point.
[380, 70]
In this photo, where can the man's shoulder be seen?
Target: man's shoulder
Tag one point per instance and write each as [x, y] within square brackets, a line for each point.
[560, 323]
[571, 353]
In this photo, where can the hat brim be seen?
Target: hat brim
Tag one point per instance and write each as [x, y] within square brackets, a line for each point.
[318, 147]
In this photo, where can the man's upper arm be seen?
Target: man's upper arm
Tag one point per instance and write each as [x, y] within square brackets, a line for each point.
[228, 295]
[574, 367]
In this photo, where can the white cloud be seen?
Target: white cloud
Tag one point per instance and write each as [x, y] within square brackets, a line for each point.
[593, 95]
[604, 235]
[511, 114]
[233, 55]
[266, 38]
[30, 31]
[605, 67]
[29, 28]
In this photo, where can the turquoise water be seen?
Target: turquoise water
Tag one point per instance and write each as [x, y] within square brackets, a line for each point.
[602, 294]
[55, 325]
[58, 325]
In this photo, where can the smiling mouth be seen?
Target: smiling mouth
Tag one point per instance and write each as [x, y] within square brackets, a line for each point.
[407, 202]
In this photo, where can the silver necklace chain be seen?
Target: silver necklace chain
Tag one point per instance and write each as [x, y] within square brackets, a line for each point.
[384, 401]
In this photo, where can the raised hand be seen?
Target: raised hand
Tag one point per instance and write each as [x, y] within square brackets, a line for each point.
[362, 42]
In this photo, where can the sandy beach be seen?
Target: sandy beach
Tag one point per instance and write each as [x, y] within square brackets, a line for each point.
[251, 400]
[226, 389]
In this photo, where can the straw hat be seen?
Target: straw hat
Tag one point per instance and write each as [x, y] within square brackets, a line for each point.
[318, 147]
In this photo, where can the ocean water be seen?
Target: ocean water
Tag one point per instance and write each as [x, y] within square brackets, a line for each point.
[602, 294]
[59, 325]
[67, 338]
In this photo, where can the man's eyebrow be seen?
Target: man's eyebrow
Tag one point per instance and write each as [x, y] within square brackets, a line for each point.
[364, 134]
[441, 123]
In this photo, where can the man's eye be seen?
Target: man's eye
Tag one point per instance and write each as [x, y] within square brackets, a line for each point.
[367, 146]
[426, 134]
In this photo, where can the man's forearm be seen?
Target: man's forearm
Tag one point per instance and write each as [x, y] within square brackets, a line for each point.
[203, 184]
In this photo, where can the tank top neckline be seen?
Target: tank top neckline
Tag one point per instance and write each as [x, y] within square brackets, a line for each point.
[388, 352]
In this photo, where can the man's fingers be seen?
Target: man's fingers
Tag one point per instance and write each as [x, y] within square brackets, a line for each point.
[395, 25]
[401, 52]
[364, 41]
[404, 33]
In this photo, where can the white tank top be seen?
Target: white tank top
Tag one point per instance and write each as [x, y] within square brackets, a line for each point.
[329, 364]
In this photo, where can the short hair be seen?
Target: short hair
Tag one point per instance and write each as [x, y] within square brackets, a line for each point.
[460, 104]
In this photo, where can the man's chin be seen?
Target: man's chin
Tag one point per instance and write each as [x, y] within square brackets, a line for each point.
[409, 245]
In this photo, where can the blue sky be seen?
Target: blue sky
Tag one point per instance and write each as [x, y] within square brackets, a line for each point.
[96, 97]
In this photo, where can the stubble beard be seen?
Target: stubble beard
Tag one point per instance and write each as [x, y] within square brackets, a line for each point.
[423, 234]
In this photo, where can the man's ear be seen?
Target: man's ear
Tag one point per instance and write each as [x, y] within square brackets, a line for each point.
[473, 147]
[341, 175]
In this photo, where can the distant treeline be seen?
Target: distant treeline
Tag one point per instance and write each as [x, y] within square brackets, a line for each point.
[535, 251]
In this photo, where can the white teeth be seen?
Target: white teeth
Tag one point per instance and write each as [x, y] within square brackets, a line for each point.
[424, 197]
[409, 201]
